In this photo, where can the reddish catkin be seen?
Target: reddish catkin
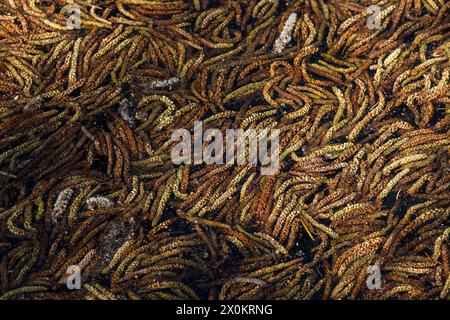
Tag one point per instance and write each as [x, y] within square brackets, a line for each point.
[103, 165]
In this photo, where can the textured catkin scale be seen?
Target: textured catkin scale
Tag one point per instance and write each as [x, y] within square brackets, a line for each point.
[87, 179]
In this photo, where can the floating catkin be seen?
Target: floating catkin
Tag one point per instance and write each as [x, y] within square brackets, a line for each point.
[87, 179]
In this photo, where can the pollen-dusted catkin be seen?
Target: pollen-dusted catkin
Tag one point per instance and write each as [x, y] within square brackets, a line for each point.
[349, 108]
[97, 202]
[61, 204]
[286, 34]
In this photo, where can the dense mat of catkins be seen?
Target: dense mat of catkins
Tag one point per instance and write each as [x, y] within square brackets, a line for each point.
[86, 176]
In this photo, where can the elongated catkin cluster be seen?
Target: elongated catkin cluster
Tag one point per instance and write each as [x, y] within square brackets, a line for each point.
[87, 178]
